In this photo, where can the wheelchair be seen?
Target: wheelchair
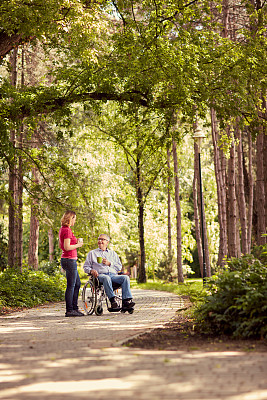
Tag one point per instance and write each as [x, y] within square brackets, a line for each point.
[94, 295]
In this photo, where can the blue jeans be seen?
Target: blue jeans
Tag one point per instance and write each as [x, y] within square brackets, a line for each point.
[122, 280]
[73, 283]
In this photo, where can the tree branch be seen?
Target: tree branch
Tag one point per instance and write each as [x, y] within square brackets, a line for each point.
[56, 103]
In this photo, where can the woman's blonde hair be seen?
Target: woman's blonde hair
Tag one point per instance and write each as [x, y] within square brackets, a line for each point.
[65, 220]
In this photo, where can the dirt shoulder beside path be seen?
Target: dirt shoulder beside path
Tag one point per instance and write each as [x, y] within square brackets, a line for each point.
[179, 334]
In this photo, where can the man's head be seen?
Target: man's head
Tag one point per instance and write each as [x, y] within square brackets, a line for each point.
[103, 241]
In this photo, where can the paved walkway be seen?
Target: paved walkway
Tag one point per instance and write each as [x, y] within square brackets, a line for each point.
[47, 356]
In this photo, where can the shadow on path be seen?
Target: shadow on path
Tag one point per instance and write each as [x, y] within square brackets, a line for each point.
[47, 356]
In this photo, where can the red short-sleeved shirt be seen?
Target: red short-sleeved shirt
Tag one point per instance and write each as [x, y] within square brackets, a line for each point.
[66, 233]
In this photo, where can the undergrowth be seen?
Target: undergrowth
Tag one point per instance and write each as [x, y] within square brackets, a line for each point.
[236, 304]
[29, 288]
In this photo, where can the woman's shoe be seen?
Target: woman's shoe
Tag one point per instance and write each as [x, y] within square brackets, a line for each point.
[74, 313]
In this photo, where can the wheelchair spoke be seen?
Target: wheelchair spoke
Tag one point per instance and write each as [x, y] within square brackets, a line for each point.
[89, 297]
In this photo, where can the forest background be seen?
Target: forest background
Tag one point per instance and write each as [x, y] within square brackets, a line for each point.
[99, 104]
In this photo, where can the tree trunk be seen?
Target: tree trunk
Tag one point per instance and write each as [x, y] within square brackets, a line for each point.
[251, 192]
[232, 239]
[223, 175]
[19, 207]
[221, 191]
[11, 212]
[19, 194]
[264, 107]
[20, 178]
[206, 241]
[260, 191]
[265, 172]
[241, 193]
[8, 42]
[225, 5]
[140, 200]
[51, 244]
[34, 238]
[178, 216]
[19, 219]
[169, 209]
[34, 229]
[203, 226]
[13, 227]
[196, 212]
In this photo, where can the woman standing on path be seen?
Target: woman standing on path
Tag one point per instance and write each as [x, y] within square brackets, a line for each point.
[69, 244]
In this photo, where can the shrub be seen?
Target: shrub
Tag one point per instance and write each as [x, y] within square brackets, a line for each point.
[49, 267]
[30, 288]
[236, 303]
[166, 268]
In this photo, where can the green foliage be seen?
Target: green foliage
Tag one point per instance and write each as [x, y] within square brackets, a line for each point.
[165, 269]
[30, 288]
[49, 267]
[236, 304]
[161, 57]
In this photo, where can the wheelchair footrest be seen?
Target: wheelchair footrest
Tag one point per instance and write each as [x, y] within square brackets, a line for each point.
[114, 309]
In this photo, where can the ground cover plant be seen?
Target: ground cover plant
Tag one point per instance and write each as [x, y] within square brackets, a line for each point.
[232, 302]
[236, 304]
[29, 288]
[228, 313]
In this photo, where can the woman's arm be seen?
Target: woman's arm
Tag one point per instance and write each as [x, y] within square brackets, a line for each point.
[68, 246]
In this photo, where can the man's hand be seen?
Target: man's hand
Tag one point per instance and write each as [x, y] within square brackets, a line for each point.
[94, 273]
[106, 262]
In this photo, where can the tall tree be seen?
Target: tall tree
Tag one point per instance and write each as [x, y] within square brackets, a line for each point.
[241, 192]
[231, 200]
[169, 206]
[34, 227]
[221, 189]
[132, 133]
[260, 191]
[178, 215]
[15, 182]
[196, 209]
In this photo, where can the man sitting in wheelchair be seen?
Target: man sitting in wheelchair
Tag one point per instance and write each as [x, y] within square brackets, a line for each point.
[104, 264]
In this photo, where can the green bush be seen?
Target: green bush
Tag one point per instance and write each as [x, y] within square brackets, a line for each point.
[49, 267]
[30, 288]
[236, 304]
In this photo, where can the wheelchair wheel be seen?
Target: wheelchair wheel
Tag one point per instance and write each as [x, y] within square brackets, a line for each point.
[89, 297]
[98, 310]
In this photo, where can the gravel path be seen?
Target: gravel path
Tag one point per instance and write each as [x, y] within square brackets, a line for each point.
[47, 356]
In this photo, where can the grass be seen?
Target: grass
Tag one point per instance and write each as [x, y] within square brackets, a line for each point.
[191, 287]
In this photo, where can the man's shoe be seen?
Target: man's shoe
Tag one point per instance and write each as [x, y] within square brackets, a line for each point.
[128, 303]
[74, 313]
[114, 305]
